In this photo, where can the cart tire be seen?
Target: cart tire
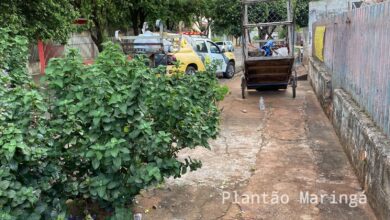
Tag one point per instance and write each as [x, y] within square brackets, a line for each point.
[294, 86]
[294, 92]
[243, 86]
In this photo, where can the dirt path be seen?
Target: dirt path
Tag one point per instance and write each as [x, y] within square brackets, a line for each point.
[261, 159]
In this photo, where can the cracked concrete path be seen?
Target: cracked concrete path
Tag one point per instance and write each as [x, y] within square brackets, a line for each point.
[261, 159]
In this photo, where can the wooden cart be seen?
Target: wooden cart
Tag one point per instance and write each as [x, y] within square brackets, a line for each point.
[268, 72]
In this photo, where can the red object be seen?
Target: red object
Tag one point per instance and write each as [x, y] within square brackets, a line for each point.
[194, 33]
[48, 51]
[53, 50]
[41, 54]
[80, 21]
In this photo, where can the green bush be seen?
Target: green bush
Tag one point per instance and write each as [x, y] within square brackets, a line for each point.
[97, 133]
[25, 173]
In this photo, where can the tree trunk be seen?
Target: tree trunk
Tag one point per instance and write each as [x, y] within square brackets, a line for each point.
[98, 38]
[142, 19]
[134, 21]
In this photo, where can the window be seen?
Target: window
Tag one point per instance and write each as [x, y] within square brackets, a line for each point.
[213, 47]
[201, 47]
[219, 43]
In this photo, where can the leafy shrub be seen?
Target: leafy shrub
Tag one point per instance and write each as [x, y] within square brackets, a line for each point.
[98, 133]
[25, 173]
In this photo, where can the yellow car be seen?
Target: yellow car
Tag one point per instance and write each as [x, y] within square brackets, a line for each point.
[195, 52]
[189, 61]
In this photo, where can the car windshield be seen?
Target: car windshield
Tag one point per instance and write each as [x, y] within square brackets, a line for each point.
[219, 43]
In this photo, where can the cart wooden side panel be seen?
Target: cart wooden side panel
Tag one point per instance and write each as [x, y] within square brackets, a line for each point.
[262, 71]
[272, 71]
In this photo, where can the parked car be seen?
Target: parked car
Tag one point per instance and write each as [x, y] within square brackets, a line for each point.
[206, 51]
[189, 52]
[209, 50]
[225, 45]
[188, 59]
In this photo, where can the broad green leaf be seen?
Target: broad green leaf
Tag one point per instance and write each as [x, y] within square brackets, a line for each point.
[4, 184]
[112, 185]
[117, 162]
[59, 83]
[95, 164]
[101, 191]
[114, 152]
[99, 155]
[90, 154]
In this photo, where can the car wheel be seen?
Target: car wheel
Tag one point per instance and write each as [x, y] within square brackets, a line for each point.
[230, 70]
[190, 70]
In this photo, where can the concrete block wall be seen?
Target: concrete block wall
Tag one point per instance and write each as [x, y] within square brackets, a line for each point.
[366, 146]
[321, 82]
[356, 48]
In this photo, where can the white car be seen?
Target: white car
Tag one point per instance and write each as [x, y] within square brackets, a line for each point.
[226, 45]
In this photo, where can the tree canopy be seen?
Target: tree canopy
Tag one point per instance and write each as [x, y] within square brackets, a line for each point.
[229, 22]
[47, 19]
[39, 19]
[106, 16]
[302, 13]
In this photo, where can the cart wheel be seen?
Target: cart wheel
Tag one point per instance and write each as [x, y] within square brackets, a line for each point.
[294, 86]
[243, 86]
[294, 92]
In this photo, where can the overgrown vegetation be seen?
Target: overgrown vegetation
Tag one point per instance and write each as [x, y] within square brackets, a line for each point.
[25, 175]
[95, 134]
[39, 19]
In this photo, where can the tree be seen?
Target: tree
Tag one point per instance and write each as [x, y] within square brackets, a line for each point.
[39, 19]
[170, 12]
[204, 10]
[301, 12]
[100, 15]
[178, 10]
[229, 22]
[107, 15]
